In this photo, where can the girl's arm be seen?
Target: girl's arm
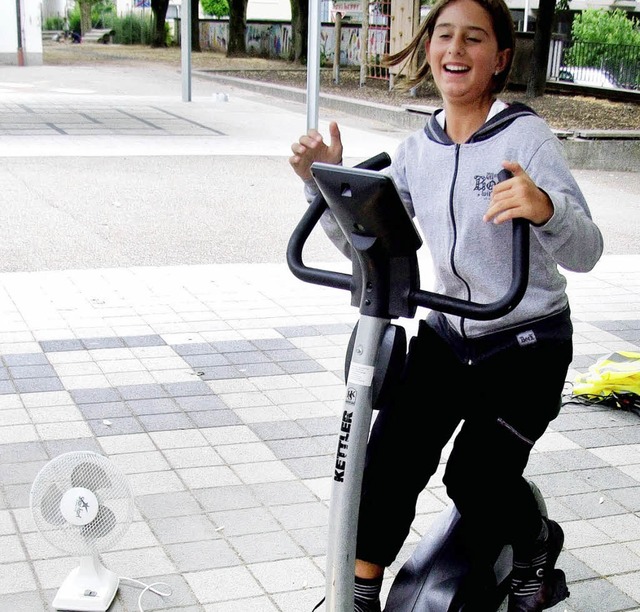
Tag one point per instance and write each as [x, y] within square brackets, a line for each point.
[547, 194]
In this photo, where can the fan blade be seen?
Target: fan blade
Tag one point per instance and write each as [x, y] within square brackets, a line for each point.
[100, 526]
[50, 506]
[89, 476]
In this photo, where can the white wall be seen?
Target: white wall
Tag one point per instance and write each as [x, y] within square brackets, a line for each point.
[31, 29]
[256, 9]
[279, 10]
[55, 8]
[579, 5]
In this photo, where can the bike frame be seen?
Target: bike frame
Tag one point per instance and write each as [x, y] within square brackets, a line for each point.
[384, 285]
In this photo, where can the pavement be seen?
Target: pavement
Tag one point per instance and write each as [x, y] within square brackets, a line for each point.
[214, 382]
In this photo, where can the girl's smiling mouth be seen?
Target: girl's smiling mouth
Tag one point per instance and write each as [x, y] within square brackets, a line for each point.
[456, 68]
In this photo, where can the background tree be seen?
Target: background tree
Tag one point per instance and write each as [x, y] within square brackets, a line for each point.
[237, 45]
[299, 30]
[607, 40]
[159, 10]
[216, 8]
[195, 25]
[541, 44]
[610, 27]
[88, 14]
[85, 15]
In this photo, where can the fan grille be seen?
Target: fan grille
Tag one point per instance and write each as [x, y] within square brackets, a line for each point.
[87, 470]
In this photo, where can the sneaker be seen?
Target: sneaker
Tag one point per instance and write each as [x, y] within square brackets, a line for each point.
[538, 588]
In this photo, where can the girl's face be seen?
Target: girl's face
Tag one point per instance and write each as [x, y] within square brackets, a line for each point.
[463, 53]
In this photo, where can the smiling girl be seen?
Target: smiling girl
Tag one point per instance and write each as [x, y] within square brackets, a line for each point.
[498, 383]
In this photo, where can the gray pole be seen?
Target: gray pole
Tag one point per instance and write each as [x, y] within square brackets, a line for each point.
[313, 64]
[185, 49]
[364, 43]
[19, 26]
[349, 466]
[336, 53]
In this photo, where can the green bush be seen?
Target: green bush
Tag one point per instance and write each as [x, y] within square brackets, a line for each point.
[132, 29]
[74, 19]
[103, 14]
[136, 29]
[218, 8]
[600, 26]
[607, 40]
[53, 23]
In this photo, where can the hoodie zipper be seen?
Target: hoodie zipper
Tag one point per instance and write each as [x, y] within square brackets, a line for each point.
[454, 228]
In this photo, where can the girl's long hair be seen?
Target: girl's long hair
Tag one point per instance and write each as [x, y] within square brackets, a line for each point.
[414, 52]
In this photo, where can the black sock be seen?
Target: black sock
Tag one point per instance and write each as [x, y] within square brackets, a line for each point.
[367, 594]
[527, 578]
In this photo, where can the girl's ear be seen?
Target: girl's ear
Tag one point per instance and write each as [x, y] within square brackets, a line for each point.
[427, 48]
[502, 60]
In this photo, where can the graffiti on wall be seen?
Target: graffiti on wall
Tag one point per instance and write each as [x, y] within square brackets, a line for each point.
[214, 35]
[269, 39]
[349, 45]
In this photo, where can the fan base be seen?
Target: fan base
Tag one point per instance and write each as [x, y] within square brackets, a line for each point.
[82, 592]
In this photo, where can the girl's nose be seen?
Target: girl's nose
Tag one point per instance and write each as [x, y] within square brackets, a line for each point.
[456, 47]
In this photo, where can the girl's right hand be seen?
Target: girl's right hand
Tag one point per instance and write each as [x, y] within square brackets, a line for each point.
[311, 148]
[518, 197]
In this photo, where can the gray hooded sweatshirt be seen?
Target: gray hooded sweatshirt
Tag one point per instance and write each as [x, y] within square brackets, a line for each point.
[447, 188]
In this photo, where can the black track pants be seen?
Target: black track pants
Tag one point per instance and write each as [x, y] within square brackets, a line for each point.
[504, 402]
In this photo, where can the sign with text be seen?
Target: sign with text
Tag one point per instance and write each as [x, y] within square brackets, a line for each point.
[351, 10]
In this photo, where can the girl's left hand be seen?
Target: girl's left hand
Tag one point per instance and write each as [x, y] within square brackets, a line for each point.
[518, 197]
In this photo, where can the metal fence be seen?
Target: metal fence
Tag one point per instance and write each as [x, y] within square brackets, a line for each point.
[603, 65]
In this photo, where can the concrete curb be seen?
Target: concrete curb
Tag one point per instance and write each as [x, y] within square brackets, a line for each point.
[617, 150]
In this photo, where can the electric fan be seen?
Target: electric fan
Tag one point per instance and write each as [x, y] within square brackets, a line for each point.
[82, 504]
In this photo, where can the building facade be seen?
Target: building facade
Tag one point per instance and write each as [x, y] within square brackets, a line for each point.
[20, 33]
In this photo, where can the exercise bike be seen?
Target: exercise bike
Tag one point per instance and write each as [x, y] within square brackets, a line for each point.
[385, 285]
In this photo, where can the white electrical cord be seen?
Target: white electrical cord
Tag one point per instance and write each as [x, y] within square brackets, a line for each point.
[148, 587]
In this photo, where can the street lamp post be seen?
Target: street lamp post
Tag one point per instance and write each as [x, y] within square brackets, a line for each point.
[19, 26]
[313, 64]
[185, 48]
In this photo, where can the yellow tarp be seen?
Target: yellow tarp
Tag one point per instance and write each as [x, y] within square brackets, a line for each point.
[616, 373]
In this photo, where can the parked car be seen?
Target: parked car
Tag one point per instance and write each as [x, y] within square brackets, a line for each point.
[591, 77]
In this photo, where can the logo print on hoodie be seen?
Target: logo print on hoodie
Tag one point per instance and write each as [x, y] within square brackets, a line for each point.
[485, 184]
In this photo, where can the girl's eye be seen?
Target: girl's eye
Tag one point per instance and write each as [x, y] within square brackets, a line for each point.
[473, 40]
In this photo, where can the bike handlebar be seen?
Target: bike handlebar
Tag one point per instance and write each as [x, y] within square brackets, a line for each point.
[493, 310]
[305, 226]
[415, 296]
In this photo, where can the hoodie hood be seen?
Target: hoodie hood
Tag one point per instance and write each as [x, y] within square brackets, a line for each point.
[496, 124]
